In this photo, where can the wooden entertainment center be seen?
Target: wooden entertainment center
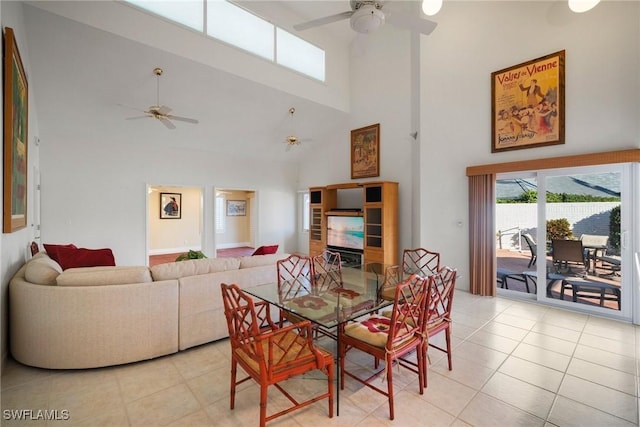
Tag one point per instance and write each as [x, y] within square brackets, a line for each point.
[379, 208]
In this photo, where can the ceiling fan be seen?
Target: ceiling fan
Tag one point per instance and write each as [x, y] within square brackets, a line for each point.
[366, 16]
[291, 139]
[161, 112]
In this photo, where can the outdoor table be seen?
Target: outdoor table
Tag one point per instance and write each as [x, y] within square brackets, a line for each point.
[592, 255]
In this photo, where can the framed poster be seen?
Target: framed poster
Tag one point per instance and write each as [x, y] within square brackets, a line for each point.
[170, 205]
[236, 207]
[527, 104]
[365, 152]
[16, 110]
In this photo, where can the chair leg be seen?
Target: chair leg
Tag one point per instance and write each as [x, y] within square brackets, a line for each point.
[341, 355]
[425, 363]
[330, 377]
[389, 363]
[448, 337]
[232, 396]
[263, 405]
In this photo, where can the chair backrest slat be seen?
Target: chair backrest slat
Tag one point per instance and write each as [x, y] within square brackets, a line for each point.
[295, 276]
[420, 261]
[327, 271]
[407, 315]
[440, 296]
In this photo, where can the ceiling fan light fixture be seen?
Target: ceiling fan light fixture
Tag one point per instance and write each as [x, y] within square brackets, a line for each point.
[431, 7]
[367, 19]
[579, 6]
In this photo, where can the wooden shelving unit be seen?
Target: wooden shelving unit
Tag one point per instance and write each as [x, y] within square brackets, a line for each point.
[380, 211]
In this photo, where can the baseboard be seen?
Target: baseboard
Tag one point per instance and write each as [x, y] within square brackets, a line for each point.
[233, 245]
[165, 251]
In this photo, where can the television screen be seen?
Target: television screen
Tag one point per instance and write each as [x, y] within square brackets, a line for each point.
[345, 232]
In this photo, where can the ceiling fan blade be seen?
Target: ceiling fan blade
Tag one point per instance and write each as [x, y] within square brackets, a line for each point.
[410, 22]
[322, 21]
[131, 108]
[182, 119]
[167, 123]
[164, 110]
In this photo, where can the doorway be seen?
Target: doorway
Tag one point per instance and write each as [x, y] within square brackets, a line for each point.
[586, 209]
[175, 222]
[235, 218]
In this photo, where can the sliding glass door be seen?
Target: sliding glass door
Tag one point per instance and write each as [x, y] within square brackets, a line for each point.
[585, 238]
[572, 247]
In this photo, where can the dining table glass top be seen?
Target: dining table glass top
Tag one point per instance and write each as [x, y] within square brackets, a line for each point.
[330, 306]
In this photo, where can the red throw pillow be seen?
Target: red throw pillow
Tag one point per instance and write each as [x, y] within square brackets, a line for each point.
[266, 250]
[52, 250]
[82, 257]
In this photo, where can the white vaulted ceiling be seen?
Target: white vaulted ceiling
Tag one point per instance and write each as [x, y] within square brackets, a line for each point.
[80, 74]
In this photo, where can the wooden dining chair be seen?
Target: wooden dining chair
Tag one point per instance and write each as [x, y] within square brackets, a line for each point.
[270, 354]
[295, 279]
[438, 312]
[420, 261]
[388, 339]
[392, 278]
[327, 271]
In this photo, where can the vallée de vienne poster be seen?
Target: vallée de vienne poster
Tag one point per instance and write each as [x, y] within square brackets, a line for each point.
[528, 104]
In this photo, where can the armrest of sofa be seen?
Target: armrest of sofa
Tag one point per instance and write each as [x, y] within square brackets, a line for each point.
[70, 327]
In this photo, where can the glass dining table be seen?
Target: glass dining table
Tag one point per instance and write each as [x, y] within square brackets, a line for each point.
[330, 308]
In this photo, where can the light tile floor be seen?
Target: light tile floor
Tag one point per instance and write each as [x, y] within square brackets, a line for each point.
[515, 364]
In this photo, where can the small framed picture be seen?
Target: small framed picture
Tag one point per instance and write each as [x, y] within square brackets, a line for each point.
[365, 152]
[236, 207]
[170, 205]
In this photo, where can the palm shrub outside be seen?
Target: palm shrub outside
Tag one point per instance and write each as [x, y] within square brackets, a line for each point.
[614, 229]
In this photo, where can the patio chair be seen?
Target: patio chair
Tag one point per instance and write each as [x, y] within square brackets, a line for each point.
[567, 254]
[269, 354]
[533, 248]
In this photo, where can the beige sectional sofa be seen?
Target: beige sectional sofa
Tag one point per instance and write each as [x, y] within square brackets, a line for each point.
[101, 316]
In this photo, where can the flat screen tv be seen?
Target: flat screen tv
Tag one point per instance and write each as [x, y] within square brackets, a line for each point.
[345, 232]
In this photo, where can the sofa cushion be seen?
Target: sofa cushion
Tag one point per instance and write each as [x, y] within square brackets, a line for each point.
[52, 250]
[266, 250]
[42, 270]
[259, 260]
[193, 267]
[108, 275]
[82, 257]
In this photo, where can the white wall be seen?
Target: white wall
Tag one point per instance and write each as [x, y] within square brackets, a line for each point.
[14, 246]
[477, 38]
[472, 40]
[380, 93]
[89, 218]
[129, 22]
